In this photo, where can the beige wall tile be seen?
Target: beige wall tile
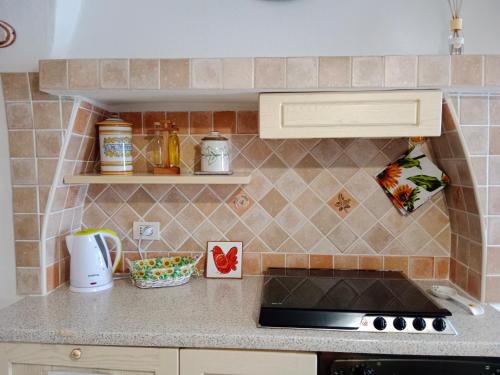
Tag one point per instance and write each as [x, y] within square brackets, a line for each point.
[476, 139]
[36, 94]
[83, 74]
[494, 146]
[19, 116]
[46, 170]
[28, 280]
[301, 72]
[53, 74]
[15, 86]
[494, 200]
[466, 70]
[206, 73]
[479, 165]
[47, 115]
[335, 72]
[48, 143]
[144, 74]
[21, 144]
[23, 171]
[494, 170]
[174, 73]
[494, 231]
[27, 254]
[495, 110]
[26, 227]
[24, 199]
[434, 71]
[113, 73]
[237, 73]
[367, 71]
[493, 289]
[492, 70]
[269, 72]
[473, 110]
[400, 71]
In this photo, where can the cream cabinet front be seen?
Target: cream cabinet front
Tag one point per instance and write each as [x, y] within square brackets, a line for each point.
[240, 362]
[44, 359]
[368, 114]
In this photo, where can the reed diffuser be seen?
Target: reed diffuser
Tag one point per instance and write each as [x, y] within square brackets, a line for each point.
[456, 39]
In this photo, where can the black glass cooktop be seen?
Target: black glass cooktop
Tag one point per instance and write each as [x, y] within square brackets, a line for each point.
[308, 294]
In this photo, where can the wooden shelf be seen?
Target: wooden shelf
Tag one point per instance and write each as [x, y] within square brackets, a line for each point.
[147, 178]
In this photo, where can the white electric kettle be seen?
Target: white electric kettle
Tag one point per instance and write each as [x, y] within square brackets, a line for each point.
[91, 269]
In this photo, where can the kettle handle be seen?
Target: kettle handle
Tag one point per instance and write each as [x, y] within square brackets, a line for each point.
[118, 244]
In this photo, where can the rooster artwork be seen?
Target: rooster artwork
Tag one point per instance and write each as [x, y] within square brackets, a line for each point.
[224, 259]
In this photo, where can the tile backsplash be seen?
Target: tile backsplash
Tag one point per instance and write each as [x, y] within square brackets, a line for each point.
[311, 203]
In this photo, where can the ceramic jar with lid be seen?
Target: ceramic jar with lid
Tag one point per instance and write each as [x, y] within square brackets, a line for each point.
[115, 140]
[215, 154]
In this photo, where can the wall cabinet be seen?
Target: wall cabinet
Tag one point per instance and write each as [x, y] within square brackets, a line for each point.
[369, 114]
[238, 362]
[39, 359]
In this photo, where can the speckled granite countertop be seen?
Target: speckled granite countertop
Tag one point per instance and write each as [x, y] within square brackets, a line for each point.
[216, 314]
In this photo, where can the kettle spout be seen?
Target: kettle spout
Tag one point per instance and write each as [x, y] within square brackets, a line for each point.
[69, 242]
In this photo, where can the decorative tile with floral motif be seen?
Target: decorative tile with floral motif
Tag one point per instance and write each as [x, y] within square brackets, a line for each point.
[343, 203]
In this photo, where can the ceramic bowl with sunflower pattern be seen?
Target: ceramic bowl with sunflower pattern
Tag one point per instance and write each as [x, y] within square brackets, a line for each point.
[164, 271]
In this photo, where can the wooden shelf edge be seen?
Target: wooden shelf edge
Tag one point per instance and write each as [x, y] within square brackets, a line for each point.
[235, 179]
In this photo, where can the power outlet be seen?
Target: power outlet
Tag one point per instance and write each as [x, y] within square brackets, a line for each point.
[143, 227]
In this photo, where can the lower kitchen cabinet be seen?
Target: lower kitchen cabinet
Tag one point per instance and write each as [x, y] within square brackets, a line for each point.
[44, 359]
[236, 362]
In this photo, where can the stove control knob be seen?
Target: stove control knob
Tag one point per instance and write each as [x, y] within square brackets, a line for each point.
[399, 323]
[363, 370]
[419, 324]
[439, 324]
[379, 323]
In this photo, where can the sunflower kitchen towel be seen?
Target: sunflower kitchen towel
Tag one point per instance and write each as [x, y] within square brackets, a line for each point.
[411, 180]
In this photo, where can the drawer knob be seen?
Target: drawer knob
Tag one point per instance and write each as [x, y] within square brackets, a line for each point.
[76, 354]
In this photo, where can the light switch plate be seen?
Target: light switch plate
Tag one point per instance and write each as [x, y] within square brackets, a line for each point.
[141, 226]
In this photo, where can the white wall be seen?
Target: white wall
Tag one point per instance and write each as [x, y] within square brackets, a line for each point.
[201, 28]
[7, 257]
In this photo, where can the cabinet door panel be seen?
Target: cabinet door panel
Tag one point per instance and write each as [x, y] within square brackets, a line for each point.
[236, 362]
[39, 359]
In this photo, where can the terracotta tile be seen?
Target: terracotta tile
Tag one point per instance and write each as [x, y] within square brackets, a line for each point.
[492, 70]
[466, 70]
[113, 73]
[36, 94]
[53, 74]
[421, 267]
[320, 261]
[237, 73]
[181, 119]
[206, 73]
[15, 86]
[378, 237]
[476, 139]
[251, 264]
[225, 122]
[21, 144]
[270, 260]
[441, 268]
[200, 122]
[53, 277]
[370, 262]
[134, 118]
[396, 263]
[240, 202]
[473, 284]
[23, 171]
[494, 137]
[367, 71]
[248, 122]
[83, 74]
[342, 237]
[269, 72]
[297, 261]
[434, 71]
[301, 72]
[149, 118]
[174, 73]
[334, 72]
[144, 74]
[48, 143]
[346, 262]
[473, 110]
[343, 203]
[19, 116]
[28, 281]
[24, 199]
[400, 71]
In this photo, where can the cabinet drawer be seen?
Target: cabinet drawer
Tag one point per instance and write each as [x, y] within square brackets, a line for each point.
[242, 362]
[350, 114]
[39, 359]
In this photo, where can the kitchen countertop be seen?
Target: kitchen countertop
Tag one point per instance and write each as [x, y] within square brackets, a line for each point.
[217, 314]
